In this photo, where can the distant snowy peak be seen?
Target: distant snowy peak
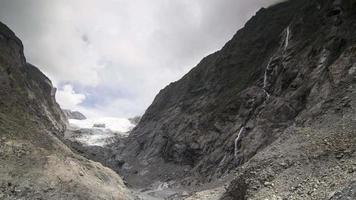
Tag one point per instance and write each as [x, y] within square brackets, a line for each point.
[74, 115]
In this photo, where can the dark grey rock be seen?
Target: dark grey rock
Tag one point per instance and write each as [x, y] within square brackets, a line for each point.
[135, 120]
[288, 67]
[99, 125]
[74, 115]
[346, 193]
[32, 156]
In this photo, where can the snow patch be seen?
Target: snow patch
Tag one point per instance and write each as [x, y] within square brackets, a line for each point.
[84, 131]
[98, 139]
[121, 125]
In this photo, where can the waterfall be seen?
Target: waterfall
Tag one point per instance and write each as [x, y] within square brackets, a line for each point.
[265, 75]
[287, 38]
[267, 94]
[323, 58]
[265, 81]
[237, 140]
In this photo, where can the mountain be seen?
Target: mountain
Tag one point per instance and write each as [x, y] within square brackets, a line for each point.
[135, 120]
[34, 163]
[74, 114]
[273, 110]
[272, 115]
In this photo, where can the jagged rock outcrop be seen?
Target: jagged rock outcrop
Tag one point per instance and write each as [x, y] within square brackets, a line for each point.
[34, 163]
[74, 114]
[24, 87]
[266, 100]
[135, 120]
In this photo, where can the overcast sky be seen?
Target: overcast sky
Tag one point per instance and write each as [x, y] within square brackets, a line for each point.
[111, 57]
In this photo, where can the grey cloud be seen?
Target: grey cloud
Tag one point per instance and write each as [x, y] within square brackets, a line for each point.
[137, 46]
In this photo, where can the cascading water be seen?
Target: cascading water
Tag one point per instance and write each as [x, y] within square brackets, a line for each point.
[267, 94]
[237, 140]
[323, 58]
[287, 38]
[265, 89]
[265, 80]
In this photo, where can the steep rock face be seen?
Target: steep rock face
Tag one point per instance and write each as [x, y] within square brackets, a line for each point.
[34, 163]
[281, 70]
[135, 120]
[74, 115]
[24, 88]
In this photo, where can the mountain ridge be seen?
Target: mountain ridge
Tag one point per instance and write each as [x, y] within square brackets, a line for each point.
[272, 115]
[287, 70]
[34, 163]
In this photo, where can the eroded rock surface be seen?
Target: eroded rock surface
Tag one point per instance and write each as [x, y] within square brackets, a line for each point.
[34, 163]
[287, 80]
[74, 115]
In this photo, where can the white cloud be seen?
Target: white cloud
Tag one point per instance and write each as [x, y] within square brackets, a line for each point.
[136, 47]
[68, 98]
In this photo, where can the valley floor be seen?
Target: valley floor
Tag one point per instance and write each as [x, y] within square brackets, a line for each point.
[92, 142]
[317, 159]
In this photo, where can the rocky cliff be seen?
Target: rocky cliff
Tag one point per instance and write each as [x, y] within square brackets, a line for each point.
[274, 109]
[25, 89]
[74, 114]
[34, 163]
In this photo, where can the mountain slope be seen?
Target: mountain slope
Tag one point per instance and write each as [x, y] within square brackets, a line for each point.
[34, 163]
[289, 71]
[74, 115]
